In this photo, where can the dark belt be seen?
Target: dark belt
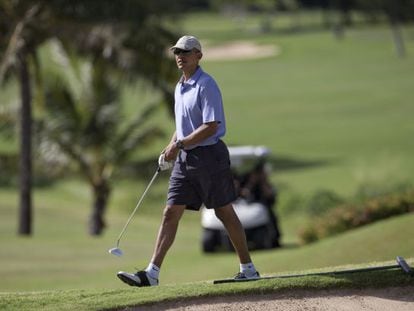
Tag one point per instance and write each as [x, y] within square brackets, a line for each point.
[201, 147]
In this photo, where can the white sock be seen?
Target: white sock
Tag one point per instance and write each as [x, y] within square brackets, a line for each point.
[248, 269]
[153, 271]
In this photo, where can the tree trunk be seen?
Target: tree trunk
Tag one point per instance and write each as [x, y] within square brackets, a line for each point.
[398, 39]
[101, 194]
[25, 211]
[326, 18]
[393, 10]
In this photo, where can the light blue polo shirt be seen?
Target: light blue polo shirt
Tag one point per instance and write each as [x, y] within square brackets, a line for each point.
[198, 101]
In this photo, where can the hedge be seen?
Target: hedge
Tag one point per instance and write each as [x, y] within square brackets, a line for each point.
[349, 216]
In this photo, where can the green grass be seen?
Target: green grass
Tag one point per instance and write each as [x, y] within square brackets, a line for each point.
[61, 256]
[340, 112]
[344, 104]
[120, 298]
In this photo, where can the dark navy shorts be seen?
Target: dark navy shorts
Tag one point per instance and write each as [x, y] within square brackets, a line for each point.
[202, 175]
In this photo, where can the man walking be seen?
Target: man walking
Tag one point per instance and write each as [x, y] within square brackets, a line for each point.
[201, 172]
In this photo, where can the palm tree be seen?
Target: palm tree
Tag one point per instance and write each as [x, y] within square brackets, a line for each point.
[397, 12]
[26, 24]
[137, 50]
[83, 118]
[19, 51]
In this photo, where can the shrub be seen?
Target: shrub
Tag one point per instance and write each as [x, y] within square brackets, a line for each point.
[317, 204]
[323, 201]
[370, 190]
[349, 216]
[294, 203]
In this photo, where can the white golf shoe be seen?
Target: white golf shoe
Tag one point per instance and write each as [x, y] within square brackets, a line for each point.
[245, 277]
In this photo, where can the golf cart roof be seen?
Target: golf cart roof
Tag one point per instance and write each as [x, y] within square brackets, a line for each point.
[244, 158]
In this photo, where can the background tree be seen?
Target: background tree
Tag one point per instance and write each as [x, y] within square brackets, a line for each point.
[22, 31]
[26, 24]
[396, 11]
[83, 119]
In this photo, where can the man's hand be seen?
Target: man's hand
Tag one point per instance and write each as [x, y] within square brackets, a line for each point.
[163, 164]
[171, 152]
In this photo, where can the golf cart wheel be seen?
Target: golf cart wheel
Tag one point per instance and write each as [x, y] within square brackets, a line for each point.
[258, 238]
[211, 240]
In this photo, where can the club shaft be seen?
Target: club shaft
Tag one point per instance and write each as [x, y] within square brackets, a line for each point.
[137, 206]
[337, 272]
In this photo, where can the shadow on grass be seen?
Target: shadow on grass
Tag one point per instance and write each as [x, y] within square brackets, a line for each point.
[284, 163]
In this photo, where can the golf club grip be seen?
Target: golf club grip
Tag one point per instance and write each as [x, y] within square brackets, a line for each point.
[404, 265]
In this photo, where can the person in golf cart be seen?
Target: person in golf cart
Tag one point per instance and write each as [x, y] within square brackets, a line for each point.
[254, 206]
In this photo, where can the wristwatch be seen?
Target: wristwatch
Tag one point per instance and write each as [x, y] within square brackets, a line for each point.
[179, 144]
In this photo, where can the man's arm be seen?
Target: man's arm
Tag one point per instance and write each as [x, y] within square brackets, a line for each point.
[201, 133]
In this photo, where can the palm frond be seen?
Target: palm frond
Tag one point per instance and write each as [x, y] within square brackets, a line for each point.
[139, 120]
[17, 41]
[62, 113]
[141, 138]
[76, 76]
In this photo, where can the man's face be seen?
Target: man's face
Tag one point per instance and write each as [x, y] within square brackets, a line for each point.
[187, 60]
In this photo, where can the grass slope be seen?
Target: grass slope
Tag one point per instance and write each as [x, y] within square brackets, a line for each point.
[61, 257]
[121, 298]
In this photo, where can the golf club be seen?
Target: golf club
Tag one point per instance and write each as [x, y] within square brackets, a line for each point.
[401, 263]
[116, 250]
[404, 265]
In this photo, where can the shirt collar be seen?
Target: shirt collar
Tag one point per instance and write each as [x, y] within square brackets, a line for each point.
[193, 79]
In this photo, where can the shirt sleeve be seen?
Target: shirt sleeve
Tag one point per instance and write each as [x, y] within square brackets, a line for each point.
[211, 102]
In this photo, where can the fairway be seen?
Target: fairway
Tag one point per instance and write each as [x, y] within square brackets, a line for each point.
[343, 106]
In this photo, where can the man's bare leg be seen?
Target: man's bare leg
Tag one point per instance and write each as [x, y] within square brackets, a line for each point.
[166, 236]
[167, 232]
[235, 230]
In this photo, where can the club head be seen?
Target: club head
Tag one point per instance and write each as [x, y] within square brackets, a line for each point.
[116, 251]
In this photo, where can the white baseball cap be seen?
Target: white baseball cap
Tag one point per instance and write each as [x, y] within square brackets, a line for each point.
[187, 43]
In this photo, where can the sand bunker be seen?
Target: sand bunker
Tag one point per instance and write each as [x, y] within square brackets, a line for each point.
[385, 299]
[239, 50]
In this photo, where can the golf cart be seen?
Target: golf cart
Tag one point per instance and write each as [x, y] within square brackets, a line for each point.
[254, 206]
